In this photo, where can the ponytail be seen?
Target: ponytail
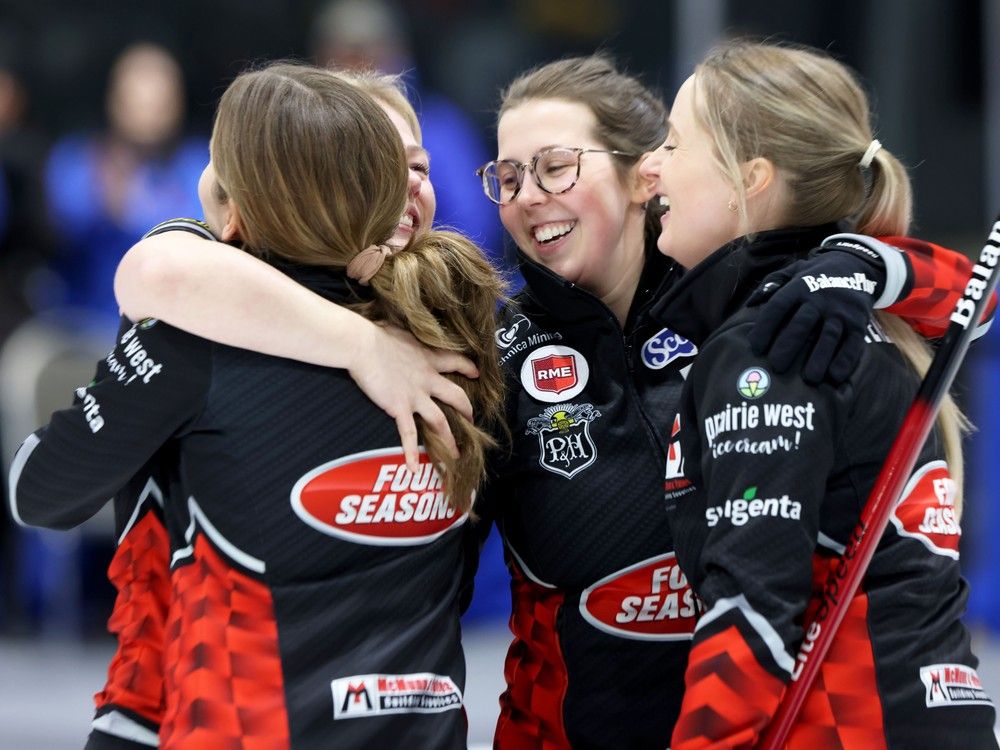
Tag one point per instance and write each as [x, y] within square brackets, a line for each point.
[441, 289]
[888, 206]
[887, 210]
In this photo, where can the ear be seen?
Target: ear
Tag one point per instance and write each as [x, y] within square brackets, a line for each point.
[232, 229]
[643, 187]
[759, 176]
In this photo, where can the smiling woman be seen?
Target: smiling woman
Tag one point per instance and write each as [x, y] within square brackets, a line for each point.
[594, 369]
[589, 229]
[768, 147]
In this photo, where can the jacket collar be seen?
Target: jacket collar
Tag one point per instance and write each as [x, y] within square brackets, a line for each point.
[711, 292]
[326, 281]
[569, 303]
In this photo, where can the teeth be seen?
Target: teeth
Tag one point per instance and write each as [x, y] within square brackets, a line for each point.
[551, 231]
[665, 201]
[406, 220]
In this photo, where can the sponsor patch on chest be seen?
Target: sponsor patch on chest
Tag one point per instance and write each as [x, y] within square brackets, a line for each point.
[372, 498]
[507, 335]
[554, 373]
[675, 482]
[367, 695]
[664, 347]
[927, 510]
[952, 685]
[564, 442]
[650, 601]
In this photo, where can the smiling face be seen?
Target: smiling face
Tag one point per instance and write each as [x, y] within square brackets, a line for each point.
[689, 181]
[420, 199]
[592, 234]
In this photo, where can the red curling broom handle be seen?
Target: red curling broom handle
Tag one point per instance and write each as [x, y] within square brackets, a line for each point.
[844, 580]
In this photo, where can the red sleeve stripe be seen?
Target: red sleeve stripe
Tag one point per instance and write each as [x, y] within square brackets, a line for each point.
[758, 622]
[729, 696]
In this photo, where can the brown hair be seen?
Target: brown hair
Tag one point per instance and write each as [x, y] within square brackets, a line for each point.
[630, 117]
[808, 115]
[317, 172]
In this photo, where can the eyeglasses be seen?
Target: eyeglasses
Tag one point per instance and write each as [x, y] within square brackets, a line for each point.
[556, 170]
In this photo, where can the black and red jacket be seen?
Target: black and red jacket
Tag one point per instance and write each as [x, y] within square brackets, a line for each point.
[602, 614]
[314, 581]
[773, 476]
[130, 706]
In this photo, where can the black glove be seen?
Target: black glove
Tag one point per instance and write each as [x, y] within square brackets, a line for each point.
[822, 305]
[194, 226]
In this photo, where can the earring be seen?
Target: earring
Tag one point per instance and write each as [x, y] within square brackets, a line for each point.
[732, 205]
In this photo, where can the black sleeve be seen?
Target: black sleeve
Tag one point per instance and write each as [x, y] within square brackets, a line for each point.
[767, 449]
[766, 444]
[147, 388]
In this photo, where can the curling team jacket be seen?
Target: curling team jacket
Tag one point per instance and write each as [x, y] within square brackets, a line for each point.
[314, 579]
[773, 474]
[130, 707]
[602, 614]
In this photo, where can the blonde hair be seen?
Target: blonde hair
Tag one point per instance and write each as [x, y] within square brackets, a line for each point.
[387, 89]
[317, 172]
[807, 114]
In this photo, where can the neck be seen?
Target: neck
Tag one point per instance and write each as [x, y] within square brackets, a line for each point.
[632, 257]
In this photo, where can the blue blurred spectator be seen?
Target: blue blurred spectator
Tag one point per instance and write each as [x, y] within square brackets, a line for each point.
[24, 238]
[24, 249]
[105, 189]
[369, 34]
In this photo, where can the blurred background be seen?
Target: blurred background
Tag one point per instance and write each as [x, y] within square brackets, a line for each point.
[105, 109]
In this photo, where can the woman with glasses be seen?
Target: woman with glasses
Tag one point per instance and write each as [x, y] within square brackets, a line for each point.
[602, 615]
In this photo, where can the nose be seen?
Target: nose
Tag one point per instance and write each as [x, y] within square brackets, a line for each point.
[649, 165]
[530, 194]
[413, 182]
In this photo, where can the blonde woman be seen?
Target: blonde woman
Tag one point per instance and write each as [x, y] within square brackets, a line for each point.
[315, 572]
[768, 147]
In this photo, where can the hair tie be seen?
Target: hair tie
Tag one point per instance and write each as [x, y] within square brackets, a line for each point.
[873, 147]
[365, 264]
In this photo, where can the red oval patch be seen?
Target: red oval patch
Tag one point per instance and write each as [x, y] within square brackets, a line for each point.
[372, 498]
[650, 600]
[927, 511]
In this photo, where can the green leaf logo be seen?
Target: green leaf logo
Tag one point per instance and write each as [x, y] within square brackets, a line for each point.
[749, 493]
